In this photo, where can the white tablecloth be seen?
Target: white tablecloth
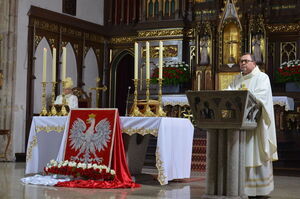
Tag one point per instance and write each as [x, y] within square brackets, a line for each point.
[173, 151]
[285, 101]
[174, 143]
[43, 142]
[174, 100]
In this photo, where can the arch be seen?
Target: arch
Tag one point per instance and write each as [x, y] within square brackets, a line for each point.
[122, 72]
[90, 74]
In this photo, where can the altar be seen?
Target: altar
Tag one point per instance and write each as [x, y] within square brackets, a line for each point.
[173, 151]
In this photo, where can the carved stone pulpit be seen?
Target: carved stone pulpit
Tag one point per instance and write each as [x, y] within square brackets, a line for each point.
[226, 115]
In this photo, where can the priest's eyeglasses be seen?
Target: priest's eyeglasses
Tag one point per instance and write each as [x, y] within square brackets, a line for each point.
[245, 60]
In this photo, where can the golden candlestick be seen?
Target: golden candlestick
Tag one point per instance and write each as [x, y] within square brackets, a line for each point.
[160, 112]
[148, 112]
[98, 89]
[53, 111]
[44, 107]
[63, 111]
[135, 110]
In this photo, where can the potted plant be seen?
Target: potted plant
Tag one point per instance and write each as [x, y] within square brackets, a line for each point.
[289, 73]
[174, 76]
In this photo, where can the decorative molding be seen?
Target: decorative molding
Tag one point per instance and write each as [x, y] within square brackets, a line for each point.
[169, 51]
[120, 40]
[141, 131]
[283, 27]
[162, 33]
[53, 27]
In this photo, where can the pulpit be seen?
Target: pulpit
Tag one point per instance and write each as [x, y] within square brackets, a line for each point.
[226, 115]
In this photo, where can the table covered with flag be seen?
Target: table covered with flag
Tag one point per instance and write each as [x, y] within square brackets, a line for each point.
[173, 152]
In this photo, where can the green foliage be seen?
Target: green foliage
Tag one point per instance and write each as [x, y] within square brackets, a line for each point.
[288, 72]
[173, 74]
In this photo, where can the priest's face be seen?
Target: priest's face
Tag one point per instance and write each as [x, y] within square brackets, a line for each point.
[67, 91]
[246, 64]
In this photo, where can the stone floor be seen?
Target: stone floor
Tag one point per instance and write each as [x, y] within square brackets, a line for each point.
[12, 188]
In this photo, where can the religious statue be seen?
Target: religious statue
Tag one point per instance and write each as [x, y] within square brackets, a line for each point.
[256, 43]
[204, 57]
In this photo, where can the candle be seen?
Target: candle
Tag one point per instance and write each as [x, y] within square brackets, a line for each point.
[54, 65]
[64, 64]
[147, 60]
[160, 60]
[44, 64]
[136, 60]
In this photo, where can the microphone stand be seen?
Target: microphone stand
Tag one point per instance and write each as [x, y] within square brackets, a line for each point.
[127, 100]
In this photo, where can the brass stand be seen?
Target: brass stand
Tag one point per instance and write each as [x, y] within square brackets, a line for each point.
[53, 111]
[148, 112]
[135, 110]
[44, 108]
[63, 111]
[98, 89]
[160, 112]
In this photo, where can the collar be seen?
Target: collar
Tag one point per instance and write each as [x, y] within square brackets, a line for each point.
[252, 74]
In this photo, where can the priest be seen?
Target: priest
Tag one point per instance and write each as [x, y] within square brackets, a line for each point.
[261, 146]
[71, 100]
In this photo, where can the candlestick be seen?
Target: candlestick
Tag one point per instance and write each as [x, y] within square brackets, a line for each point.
[160, 112]
[135, 110]
[63, 111]
[136, 60]
[147, 60]
[44, 65]
[53, 111]
[148, 112]
[44, 107]
[64, 64]
[54, 65]
[160, 60]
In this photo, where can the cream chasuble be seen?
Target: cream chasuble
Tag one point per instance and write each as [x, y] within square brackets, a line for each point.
[72, 100]
[261, 144]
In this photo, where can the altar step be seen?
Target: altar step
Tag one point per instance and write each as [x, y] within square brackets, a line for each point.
[199, 154]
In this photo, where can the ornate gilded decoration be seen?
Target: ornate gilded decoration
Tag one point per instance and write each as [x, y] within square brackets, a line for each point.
[161, 33]
[169, 51]
[48, 129]
[225, 79]
[159, 165]
[230, 31]
[119, 40]
[76, 46]
[283, 27]
[98, 53]
[32, 144]
[52, 27]
[141, 131]
[52, 42]
[37, 40]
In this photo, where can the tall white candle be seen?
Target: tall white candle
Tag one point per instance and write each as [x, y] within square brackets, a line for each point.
[64, 64]
[136, 60]
[54, 65]
[44, 64]
[160, 60]
[147, 60]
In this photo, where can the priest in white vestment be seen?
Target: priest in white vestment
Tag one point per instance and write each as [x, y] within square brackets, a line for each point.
[71, 100]
[261, 145]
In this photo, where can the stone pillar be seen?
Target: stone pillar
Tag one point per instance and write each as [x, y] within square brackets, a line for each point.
[8, 10]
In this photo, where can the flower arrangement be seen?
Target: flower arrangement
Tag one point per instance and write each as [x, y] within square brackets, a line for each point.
[174, 74]
[80, 170]
[288, 72]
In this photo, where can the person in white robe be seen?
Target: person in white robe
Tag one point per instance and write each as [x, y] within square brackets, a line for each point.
[71, 100]
[261, 145]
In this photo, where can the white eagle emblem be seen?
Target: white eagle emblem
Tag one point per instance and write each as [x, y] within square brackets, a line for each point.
[89, 141]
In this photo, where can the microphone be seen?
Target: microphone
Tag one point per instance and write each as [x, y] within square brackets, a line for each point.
[127, 101]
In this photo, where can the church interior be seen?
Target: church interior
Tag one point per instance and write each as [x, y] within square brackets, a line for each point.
[141, 57]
